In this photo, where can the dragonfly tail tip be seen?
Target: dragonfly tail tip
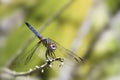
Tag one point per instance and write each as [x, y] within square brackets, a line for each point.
[27, 23]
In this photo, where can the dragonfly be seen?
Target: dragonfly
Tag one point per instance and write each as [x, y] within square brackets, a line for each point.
[51, 46]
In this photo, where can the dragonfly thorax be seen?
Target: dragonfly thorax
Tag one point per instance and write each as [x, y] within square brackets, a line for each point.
[49, 44]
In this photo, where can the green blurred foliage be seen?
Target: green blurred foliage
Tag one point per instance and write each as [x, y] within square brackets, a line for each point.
[113, 6]
[63, 30]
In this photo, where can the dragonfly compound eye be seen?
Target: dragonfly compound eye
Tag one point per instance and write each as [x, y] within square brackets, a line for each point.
[53, 46]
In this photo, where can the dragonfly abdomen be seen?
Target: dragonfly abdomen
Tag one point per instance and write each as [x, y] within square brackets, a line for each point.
[33, 30]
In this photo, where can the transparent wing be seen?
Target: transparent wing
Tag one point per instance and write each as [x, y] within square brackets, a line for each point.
[29, 58]
[67, 53]
[32, 52]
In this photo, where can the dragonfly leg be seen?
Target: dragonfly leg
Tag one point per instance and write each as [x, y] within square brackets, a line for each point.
[53, 55]
[47, 54]
[50, 55]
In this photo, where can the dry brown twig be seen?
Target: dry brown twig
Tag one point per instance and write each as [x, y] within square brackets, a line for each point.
[37, 68]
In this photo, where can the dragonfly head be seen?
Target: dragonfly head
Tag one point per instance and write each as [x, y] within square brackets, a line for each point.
[52, 46]
[49, 44]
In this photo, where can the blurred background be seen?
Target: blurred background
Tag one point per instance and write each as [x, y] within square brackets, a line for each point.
[89, 28]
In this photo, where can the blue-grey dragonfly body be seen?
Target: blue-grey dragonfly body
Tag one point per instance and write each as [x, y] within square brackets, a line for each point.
[51, 46]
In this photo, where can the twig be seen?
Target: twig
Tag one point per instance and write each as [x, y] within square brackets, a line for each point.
[25, 45]
[37, 68]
